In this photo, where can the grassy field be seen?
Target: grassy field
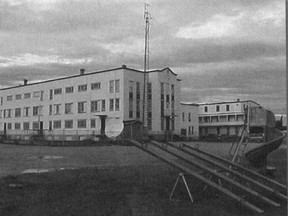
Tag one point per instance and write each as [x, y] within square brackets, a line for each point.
[118, 181]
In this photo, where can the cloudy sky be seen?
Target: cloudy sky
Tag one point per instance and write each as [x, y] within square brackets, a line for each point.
[221, 49]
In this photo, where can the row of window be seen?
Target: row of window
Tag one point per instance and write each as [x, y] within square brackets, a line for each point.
[184, 117]
[67, 124]
[217, 108]
[114, 86]
[36, 94]
[95, 106]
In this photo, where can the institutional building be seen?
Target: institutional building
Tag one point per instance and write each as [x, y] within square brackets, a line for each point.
[82, 104]
[189, 124]
[224, 118]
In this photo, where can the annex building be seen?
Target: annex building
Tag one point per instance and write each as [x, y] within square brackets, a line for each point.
[81, 105]
[223, 118]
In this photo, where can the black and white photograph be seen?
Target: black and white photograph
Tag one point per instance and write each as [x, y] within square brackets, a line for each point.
[143, 107]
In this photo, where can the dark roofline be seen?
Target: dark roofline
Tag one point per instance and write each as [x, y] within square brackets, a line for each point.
[161, 70]
[85, 74]
[213, 103]
[189, 104]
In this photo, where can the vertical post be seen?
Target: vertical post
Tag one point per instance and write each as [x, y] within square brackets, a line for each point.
[146, 67]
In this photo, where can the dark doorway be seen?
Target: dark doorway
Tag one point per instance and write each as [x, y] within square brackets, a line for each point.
[41, 128]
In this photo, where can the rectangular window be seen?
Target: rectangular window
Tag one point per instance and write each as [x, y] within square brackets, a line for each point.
[82, 88]
[217, 108]
[137, 109]
[117, 104]
[18, 112]
[57, 109]
[35, 125]
[50, 109]
[51, 95]
[167, 88]
[137, 86]
[117, 85]
[95, 106]
[36, 94]
[26, 125]
[69, 89]
[111, 104]
[1, 102]
[103, 105]
[1, 113]
[227, 108]
[130, 109]
[68, 108]
[189, 117]
[131, 84]
[26, 111]
[36, 111]
[81, 107]
[18, 97]
[57, 124]
[95, 86]
[9, 98]
[27, 95]
[183, 116]
[93, 123]
[7, 113]
[9, 126]
[205, 109]
[162, 88]
[57, 91]
[81, 123]
[111, 86]
[17, 126]
[69, 124]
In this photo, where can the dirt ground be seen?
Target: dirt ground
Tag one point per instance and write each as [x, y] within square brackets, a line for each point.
[116, 181]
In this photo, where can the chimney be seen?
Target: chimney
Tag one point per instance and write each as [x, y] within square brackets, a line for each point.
[25, 81]
[82, 71]
[124, 66]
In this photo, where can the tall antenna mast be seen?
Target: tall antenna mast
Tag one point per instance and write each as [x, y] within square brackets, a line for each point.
[146, 66]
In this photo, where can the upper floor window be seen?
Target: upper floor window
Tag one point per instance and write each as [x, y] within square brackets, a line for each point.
[9, 98]
[36, 94]
[95, 86]
[111, 104]
[18, 112]
[68, 108]
[27, 95]
[82, 107]
[36, 110]
[57, 124]
[69, 89]
[117, 85]
[183, 116]
[111, 86]
[82, 88]
[57, 109]
[227, 108]
[217, 108]
[26, 111]
[18, 97]
[81, 123]
[205, 109]
[95, 106]
[57, 91]
[117, 104]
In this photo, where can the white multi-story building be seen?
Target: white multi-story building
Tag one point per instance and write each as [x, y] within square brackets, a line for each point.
[189, 124]
[224, 118]
[83, 103]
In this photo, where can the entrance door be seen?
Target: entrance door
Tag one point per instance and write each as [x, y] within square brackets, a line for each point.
[103, 124]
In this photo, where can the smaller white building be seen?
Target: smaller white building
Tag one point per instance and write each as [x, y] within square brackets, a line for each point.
[189, 123]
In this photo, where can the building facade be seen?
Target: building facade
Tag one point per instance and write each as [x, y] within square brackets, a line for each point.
[189, 123]
[84, 103]
[224, 118]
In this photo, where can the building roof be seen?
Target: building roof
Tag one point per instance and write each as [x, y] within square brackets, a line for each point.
[226, 102]
[189, 104]
[87, 74]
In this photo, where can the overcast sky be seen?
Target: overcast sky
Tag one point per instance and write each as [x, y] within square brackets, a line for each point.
[221, 49]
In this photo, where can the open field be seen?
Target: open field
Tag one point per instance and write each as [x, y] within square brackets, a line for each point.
[118, 180]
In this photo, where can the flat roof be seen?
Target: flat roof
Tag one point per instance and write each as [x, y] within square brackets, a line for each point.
[225, 102]
[89, 73]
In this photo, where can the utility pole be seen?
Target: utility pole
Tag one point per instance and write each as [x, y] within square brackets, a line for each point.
[146, 67]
